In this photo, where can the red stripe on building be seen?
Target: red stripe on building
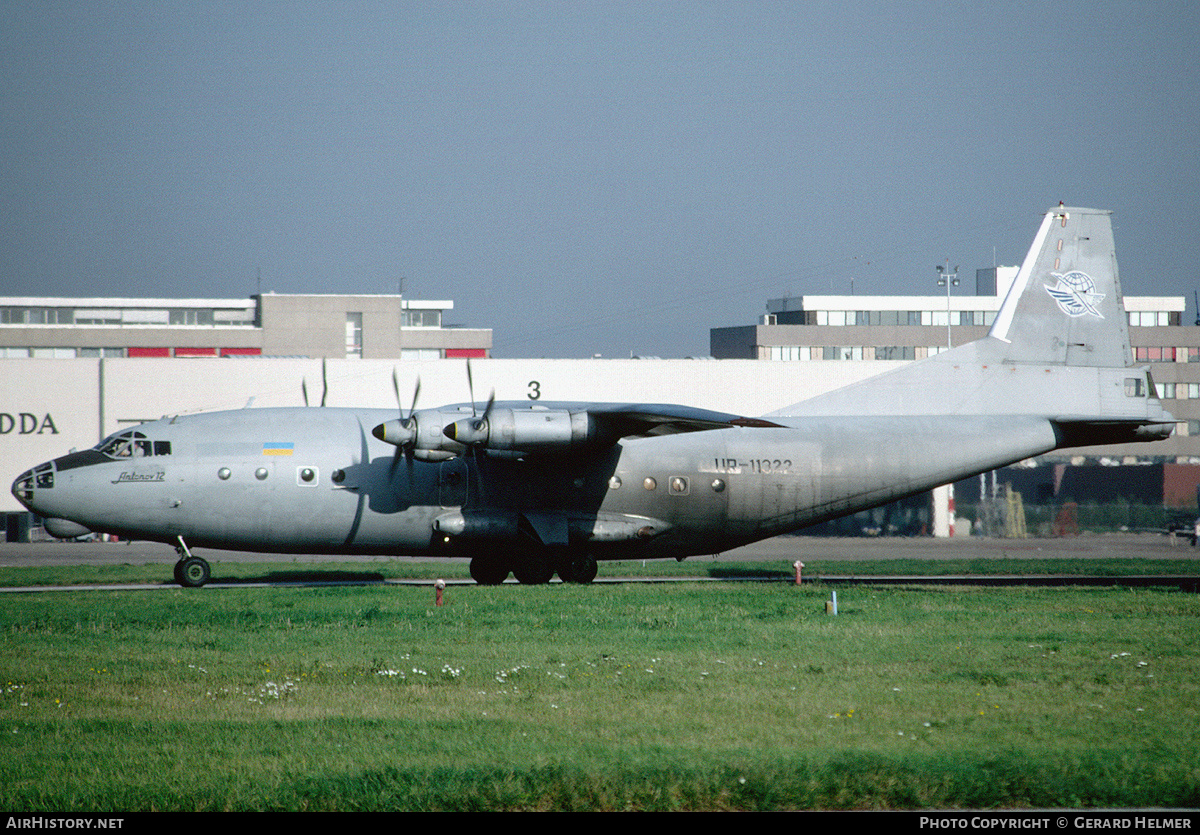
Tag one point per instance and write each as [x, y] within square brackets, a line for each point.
[149, 352]
[466, 353]
[241, 352]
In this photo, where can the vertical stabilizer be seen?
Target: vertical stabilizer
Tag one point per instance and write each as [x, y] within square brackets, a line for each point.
[1059, 347]
[1065, 305]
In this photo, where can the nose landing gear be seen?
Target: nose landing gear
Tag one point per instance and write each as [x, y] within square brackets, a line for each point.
[191, 571]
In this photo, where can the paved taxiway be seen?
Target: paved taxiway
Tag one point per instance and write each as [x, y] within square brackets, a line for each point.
[783, 549]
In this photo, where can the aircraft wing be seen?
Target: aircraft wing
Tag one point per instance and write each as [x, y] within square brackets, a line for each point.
[644, 420]
[532, 427]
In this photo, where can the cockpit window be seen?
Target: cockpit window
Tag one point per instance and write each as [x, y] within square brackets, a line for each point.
[133, 444]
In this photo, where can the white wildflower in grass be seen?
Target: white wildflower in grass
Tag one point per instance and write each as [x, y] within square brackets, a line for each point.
[390, 673]
[272, 691]
[451, 672]
[503, 675]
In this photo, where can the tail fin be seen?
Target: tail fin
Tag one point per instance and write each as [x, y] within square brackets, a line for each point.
[1065, 306]
[1059, 347]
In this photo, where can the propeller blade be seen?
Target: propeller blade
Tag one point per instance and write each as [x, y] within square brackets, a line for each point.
[487, 411]
[405, 450]
[416, 394]
[304, 389]
[470, 387]
[324, 382]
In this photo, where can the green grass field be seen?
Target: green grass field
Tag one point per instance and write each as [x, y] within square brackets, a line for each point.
[686, 696]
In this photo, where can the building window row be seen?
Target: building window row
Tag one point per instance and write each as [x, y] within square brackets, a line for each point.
[421, 319]
[793, 353]
[1154, 318]
[926, 318]
[116, 353]
[1157, 354]
[803, 353]
[117, 317]
[940, 318]
[1178, 391]
[60, 353]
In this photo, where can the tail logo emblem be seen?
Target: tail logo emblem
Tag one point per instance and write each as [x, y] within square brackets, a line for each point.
[1076, 294]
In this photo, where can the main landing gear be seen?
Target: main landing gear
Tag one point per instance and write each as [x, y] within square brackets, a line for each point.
[190, 571]
[492, 569]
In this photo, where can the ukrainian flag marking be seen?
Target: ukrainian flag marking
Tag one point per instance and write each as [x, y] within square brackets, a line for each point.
[278, 448]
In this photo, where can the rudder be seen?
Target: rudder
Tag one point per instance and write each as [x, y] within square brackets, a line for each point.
[1065, 306]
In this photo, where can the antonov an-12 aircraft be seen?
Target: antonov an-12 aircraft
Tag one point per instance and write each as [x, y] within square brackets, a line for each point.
[534, 489]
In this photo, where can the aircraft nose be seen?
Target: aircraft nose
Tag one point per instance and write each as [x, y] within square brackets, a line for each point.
[26, 484]
[22, 488]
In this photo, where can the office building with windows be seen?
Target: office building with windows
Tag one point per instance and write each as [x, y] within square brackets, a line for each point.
[270, 324]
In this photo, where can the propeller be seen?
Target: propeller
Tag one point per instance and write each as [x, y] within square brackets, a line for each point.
[408, 427]
[475, 430]
[324, 385]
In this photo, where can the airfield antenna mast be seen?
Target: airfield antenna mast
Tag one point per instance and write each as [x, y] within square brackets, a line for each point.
[400, 330]
[947, 279]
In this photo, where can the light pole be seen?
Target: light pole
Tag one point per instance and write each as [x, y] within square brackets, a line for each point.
[947, 279]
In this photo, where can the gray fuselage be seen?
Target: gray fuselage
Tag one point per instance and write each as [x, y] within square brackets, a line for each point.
[314, 480]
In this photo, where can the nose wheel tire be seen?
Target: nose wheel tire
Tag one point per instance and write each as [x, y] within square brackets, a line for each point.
[192, 572]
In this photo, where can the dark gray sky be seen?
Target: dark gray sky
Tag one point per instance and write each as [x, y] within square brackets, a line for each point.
[586, 177]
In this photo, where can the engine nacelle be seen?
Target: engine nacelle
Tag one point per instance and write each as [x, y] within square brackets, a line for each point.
[526, 430]
[422, 433]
